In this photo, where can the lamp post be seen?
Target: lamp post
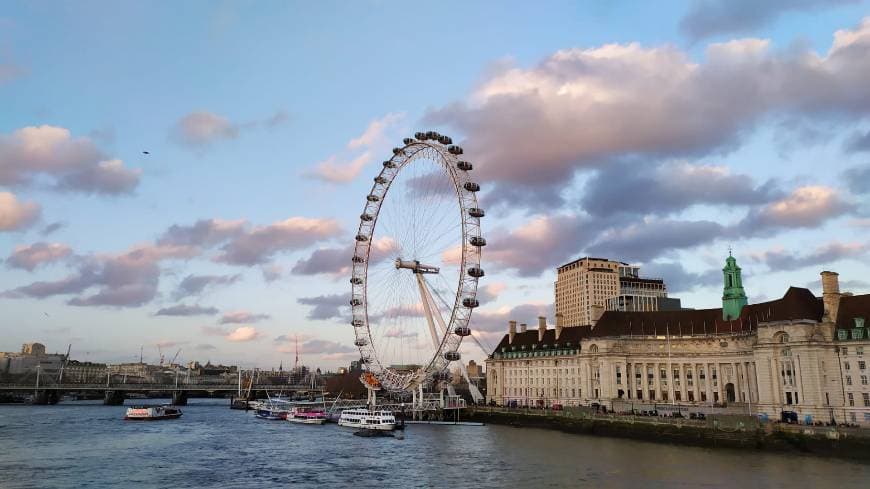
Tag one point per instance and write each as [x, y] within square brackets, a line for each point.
[36, 390]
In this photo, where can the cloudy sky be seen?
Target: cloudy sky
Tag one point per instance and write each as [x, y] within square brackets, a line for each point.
[658, 133]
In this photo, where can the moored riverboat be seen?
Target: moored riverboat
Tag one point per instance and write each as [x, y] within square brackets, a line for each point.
[305, 415]
[368, 419]
[271, 414]
[152, 413]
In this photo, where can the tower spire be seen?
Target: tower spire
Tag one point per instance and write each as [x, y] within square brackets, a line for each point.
[733, 295]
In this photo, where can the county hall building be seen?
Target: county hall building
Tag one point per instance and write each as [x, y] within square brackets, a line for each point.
[799, 354]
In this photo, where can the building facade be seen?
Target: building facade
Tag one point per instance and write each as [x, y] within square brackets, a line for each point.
[582, 284]
[799, 354]
[31, 358]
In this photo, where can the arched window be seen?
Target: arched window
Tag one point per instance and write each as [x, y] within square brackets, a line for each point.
[781, 337]
[593, 349]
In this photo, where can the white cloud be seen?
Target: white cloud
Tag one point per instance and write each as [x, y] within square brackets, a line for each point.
[241, 334]
[203, 128]
[75, 164]
[360, 152]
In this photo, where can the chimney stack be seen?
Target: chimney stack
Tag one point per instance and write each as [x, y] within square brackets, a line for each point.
[597, 312]
[512, 331]
[831, 295]
[523, 327]
[558, 325]
[542, 327]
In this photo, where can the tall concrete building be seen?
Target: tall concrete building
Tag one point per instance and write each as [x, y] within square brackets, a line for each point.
[586, 287]
[582, 284]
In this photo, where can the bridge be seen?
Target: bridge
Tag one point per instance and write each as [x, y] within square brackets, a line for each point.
[115, 392]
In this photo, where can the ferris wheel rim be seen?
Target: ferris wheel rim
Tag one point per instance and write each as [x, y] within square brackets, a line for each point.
[445, 155]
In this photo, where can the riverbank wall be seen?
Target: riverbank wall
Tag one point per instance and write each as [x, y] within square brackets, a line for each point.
[741, 432]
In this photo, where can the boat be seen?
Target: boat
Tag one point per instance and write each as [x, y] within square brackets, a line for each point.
[152, 413]
[240, 404]
[305, 415]
[273, 415]
[367, 433]
[368, 419]
[272, 409]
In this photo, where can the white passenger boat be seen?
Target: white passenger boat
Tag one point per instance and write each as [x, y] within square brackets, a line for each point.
[152, 413]
[368, 419]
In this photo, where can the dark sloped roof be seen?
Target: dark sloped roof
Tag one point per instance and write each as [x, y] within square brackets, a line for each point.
[571, 335]
[797, 303]
[851, 307]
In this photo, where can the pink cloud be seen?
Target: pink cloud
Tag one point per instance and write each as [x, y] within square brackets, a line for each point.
[16, 215]
[29, 257]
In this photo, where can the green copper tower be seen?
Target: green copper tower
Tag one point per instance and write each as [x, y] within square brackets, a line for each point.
[733, 295]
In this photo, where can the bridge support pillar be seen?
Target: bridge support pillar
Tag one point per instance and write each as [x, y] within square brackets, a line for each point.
[114, 398]
[179, 398]
[43, 398]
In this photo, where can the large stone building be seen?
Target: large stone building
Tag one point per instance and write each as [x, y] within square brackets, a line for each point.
[799, 353]
[587, 285]
[31, 358]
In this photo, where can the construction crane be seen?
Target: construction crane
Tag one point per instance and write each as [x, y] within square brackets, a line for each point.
[176, 356]
[160, 352]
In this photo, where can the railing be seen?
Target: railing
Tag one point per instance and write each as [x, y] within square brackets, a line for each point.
[136, 386]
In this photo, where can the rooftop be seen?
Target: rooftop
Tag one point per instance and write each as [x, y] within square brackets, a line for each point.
[578, 260]
[797, 303]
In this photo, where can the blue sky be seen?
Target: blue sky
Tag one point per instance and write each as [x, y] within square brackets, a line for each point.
[654, 133]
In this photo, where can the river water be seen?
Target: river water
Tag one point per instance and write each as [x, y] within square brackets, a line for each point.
[76, 444]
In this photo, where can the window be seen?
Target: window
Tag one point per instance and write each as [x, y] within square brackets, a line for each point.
[848, 380]
[863, 380]
[851, 399]
[866, 397]
[842, 334]
[862, 365]
[860, 350]
[846, 365]
[844, 350]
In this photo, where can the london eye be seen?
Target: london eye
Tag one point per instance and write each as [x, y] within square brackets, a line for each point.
[416, 264]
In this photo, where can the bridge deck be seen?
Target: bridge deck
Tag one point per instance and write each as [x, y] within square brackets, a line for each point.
[154, 387]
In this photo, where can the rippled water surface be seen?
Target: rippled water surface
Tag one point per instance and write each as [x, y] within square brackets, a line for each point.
[79, 445]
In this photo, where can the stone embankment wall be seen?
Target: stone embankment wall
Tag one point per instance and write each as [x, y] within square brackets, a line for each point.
[736, 432]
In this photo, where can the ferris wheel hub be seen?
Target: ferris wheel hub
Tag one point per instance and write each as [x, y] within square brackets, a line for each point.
[416, 266]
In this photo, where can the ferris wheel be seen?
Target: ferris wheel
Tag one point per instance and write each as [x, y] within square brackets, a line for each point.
[416, 264]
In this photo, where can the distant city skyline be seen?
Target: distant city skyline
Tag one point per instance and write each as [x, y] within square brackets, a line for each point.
[191, 175]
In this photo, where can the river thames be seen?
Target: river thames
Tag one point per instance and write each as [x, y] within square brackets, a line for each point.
[77, 445]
